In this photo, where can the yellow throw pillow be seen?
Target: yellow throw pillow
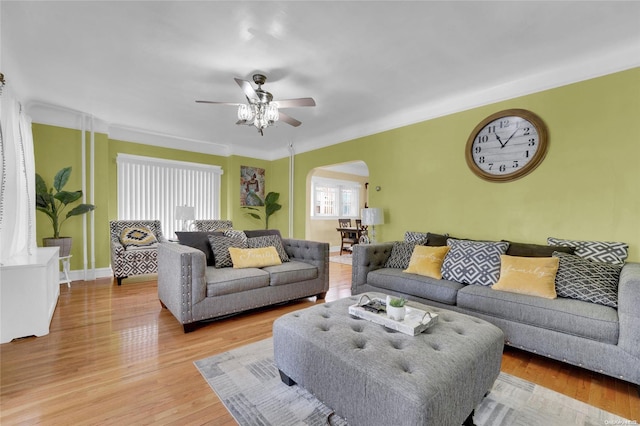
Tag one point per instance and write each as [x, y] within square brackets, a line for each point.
[427, 261]
[254, 257]
[534, 276]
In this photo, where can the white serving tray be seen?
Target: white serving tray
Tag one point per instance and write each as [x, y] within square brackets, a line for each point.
[415, 321]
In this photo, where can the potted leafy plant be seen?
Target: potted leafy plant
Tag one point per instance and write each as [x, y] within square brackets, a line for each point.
[53, 204]
[395, 308]
[270, 207]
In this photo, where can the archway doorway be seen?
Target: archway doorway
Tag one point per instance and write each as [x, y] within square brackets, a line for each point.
[334, 191]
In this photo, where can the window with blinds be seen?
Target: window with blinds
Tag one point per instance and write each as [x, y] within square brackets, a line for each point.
[151, 188]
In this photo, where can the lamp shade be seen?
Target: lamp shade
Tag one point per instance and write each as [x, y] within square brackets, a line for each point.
[185, 213]
[372, 216]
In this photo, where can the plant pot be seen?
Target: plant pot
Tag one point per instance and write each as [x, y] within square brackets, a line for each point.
[63, 242]
[396, 314]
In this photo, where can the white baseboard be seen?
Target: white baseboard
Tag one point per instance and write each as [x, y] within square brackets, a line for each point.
[79, 275]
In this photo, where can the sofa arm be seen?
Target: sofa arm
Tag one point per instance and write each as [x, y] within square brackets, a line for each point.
[313, 252]
[629, 308]
[367, 258]
[181, 279]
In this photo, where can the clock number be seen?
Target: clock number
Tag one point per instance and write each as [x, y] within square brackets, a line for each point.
[526, 154]
[502, 168]
[490, 166]
[504, 123]
[481, 159]
[532, 142]
[526, 131]
[491, 129]
[477, 150]
[482, 139]
[515, 164]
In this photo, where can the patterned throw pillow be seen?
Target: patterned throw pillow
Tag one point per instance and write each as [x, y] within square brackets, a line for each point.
[138, 237]
[269, 241]
[473, 262]
[599, 251]
[400, 255]
[415, 237]
[582, 279]
[220, 246]
[234, 233]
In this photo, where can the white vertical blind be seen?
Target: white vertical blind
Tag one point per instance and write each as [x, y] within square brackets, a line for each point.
[151, 188]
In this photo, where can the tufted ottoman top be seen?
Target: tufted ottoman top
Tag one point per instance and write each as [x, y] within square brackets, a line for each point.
[366, 372]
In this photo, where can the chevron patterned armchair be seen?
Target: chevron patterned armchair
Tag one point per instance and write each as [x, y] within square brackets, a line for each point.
[127, 261]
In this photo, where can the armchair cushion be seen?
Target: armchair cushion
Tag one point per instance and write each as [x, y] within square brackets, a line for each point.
[138, 237]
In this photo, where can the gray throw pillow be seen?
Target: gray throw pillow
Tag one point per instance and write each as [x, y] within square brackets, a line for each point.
[583, 279]
[220, 246]
[199, 240]
[415, 237]
[269, 241]
[473, 262]
[600, 251]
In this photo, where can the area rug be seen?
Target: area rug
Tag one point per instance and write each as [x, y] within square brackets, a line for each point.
[247, 381]
[344, 259]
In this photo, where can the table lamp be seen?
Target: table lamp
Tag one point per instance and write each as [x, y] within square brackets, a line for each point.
[185, 214]
[372, 216]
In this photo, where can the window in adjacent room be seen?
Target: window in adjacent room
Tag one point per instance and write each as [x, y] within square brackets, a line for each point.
[332, 198]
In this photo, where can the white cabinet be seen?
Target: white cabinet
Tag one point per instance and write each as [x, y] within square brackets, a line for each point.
[29, 290]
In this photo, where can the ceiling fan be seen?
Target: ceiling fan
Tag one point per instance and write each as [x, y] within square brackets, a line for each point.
[262, 111]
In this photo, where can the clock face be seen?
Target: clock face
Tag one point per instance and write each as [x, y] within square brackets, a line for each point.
[507, 145]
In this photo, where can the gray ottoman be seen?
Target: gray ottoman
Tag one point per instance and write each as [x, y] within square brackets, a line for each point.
[370, 375]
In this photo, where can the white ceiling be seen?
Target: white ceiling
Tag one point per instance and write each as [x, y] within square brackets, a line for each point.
[138, 67]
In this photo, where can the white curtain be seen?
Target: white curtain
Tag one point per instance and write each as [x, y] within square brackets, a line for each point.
[17, 185]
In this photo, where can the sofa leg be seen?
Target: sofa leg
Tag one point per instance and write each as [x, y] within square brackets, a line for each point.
[163, 305]
[188, 328]
[321, 296]
[286, 379]
[469, 420]
[119, 279]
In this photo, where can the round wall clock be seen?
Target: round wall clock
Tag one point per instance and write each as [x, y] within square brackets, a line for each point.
[507, 145]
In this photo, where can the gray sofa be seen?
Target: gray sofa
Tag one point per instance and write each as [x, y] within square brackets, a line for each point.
[194, 291]
[589, 335]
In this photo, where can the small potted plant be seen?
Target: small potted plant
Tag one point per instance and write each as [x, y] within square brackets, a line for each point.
[53, 205]
[395, 308]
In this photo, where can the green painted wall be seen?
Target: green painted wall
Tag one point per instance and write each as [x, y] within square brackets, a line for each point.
[55, 148]
[587, 188]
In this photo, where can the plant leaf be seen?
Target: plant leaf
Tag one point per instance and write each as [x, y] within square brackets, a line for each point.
[81, 209]
[271, 198]
[61, 178]
[255, 216]
[45, 211]
[272, 208]
[41, 186]
[66, 197]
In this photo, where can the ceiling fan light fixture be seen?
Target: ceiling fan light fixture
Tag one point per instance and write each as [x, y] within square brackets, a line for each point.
[246, 112]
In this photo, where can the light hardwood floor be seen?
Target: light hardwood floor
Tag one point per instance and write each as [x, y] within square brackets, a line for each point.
[114, 356]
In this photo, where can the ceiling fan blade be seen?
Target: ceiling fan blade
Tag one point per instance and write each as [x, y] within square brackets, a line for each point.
[292, 103]
[289, 120]
[249, 92]
[219, 103]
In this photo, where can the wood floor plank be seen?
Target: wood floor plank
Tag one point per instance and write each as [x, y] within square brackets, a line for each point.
[115, 356]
